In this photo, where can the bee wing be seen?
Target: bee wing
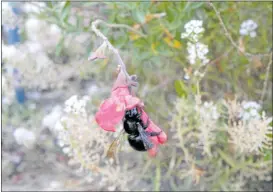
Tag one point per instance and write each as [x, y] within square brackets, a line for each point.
[112, 150]
[144, 137]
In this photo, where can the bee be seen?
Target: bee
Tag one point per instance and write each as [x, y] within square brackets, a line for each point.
[138, 137]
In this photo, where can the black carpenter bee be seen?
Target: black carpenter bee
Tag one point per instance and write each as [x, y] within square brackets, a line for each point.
[138, 138]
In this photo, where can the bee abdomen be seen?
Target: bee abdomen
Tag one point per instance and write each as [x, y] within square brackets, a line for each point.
[136, 144]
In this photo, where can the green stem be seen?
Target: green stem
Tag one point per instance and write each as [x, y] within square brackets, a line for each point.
[157, 177]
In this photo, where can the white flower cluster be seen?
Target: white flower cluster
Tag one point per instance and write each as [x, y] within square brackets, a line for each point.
[209, 111]
[7, 90]
[75, 106]
[250, 110]
[33, 56]
[9, 18]
[248, 133]
[197, 51]
[193, 29]
[41, 39]
[45, 35]
[70, 128]
[248, 27]
[251, 136]
[208, 116]
[52, 118]
[25, 137]
[86, 145]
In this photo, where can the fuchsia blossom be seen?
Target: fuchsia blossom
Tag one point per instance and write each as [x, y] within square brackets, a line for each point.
[112, 111]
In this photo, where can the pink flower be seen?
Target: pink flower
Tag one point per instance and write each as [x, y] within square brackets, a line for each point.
[99, 53]
[112, 111]
[95, 55]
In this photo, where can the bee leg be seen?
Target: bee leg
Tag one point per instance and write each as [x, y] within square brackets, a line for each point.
[152, 134]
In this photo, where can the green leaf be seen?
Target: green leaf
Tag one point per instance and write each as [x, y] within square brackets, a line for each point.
[192, 5]
[268, 155]
[175, 24]
[126, 6]
[227, 158]
[180, 88]
[79, 22]
[65, 11]
[121, 41]
[172, 13]
[139, 16]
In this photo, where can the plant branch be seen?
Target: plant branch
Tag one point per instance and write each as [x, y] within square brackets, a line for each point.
[113, 25]
[229, 36]
[110, 46]
[266, 77]
[213, 62]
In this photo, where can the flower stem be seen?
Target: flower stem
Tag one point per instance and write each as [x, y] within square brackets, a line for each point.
[266, 77]
[110, 46]
[157, 177]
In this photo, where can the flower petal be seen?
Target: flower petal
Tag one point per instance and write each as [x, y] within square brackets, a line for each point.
[121, 91]
[95, 55]
[162, 138]
[131, 102]
[110, 113]
[121, 81]
[152, 152]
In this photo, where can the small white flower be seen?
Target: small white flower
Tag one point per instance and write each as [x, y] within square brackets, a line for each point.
[196, 52]
[184, 35]
[250, 110]
[193, 30]
[253, 112]
[252, 34]
[248, 27]
[208, 115]
[246, 116]
[51, 119]
[251, 104]
[59, 126]
[71, 100]
[25, 137]
[198, 30]
[243, 31]
[61, 143]
[33, 7]
[66, 150]
[9, 51]
[209, 110]
[75, 106]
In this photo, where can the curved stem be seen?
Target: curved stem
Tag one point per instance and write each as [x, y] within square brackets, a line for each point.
[114, 25]
[110, 46]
